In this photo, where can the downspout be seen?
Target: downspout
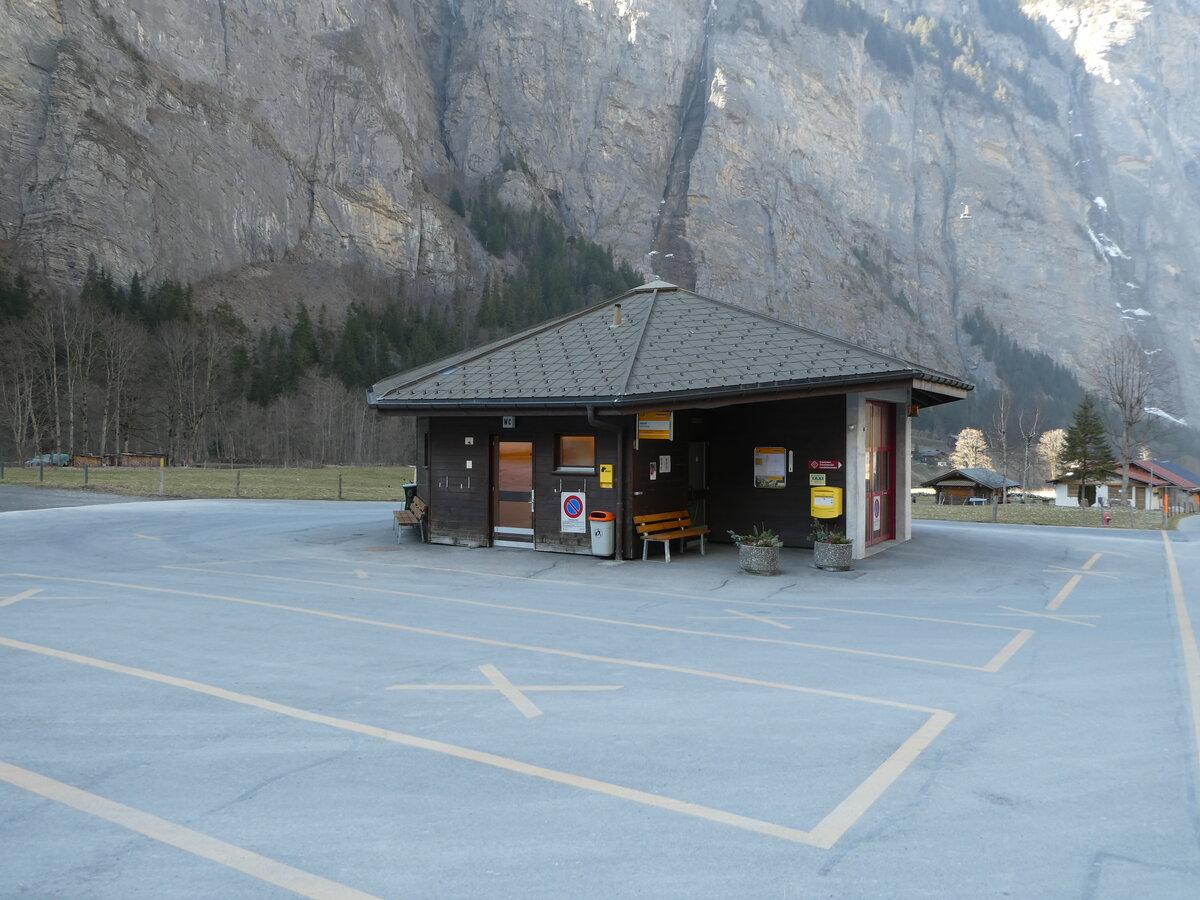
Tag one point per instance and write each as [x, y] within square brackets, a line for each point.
[619, 486]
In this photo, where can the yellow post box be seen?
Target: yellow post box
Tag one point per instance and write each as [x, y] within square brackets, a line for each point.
[825, 502]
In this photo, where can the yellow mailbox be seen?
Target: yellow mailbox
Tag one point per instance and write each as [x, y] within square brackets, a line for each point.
[826, 502]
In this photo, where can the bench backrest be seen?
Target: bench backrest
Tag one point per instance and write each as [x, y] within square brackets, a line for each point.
[418, 507]
[654, 523]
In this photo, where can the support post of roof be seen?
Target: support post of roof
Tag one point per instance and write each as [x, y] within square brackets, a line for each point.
[619, 486]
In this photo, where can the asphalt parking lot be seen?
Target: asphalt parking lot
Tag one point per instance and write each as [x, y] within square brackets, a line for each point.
[270, 699]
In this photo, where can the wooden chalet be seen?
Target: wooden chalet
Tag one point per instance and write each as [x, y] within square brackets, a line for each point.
[662, 400]
[960, 486]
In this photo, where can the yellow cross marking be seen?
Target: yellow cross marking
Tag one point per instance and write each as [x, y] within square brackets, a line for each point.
[514, 694]
[1073, 582]
[1062, 618]
[24, 595]
[738, 614]
[1065, 570]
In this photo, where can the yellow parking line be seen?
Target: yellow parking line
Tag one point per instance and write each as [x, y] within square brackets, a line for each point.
[825, 835]
[264, 869]
[16, 598]
[1187, 640]
[493, 642]
[620, 622]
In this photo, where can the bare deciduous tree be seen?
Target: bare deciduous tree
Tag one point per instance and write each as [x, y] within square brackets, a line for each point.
[1028, 434]
[1133, 381]
[970, 450]
[1050, 449]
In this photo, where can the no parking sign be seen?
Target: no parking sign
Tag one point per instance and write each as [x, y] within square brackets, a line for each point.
[574, 513]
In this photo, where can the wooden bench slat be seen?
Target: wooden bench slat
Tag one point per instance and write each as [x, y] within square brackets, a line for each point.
[666, 527]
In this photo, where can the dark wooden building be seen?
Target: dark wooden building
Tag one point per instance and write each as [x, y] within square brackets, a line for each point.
[656, 401]
[959, 486]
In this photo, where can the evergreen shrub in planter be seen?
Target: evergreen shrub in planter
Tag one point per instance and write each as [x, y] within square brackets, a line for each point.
[832, 550]
[758, 551]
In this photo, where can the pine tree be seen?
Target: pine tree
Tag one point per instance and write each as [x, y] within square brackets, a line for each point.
[1086, 448]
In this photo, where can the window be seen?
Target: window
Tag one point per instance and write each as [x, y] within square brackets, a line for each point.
[576, 453]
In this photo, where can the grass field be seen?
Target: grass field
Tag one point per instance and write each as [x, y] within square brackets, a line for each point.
[355, 483]
[1039, 514]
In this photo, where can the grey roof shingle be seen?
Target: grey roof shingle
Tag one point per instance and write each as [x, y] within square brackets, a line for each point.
[670, 341]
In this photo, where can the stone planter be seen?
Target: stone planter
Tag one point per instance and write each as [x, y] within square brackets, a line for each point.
[832, 557]
[758, 560]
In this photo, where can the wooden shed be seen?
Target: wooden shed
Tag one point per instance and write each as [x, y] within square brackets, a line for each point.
[662, 400]
[960, 486]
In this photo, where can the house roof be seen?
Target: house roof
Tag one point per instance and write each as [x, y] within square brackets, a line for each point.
[981, 476]
[1171, 473]
[671, 345]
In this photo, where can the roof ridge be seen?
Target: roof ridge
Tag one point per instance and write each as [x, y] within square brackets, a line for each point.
[637, 348]
[472, 354]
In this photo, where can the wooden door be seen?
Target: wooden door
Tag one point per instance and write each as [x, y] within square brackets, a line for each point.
[512, 494]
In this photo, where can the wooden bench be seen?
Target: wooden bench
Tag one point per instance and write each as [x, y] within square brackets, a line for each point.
[666, 527]
[413, 516]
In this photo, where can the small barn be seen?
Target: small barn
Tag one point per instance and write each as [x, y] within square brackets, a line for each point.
[961, 486]
[663, 400]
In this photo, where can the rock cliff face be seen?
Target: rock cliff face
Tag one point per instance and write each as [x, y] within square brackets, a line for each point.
[876, 171]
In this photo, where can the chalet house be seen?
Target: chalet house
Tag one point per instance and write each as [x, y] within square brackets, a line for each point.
[959, 486]
[656, 401]
[1152, 483]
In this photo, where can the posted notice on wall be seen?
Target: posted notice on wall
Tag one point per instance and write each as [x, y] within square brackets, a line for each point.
[656, 426]
[574, 513]
[770, 467]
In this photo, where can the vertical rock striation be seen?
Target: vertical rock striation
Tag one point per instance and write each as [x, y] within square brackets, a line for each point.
[877, 170]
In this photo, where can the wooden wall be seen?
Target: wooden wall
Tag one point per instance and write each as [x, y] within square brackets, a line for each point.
[459, 495]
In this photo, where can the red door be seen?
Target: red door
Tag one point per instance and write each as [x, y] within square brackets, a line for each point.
[881, 472]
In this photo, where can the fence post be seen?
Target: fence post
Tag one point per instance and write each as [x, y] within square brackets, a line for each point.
[1, 471]
[339, 485]
[237, 484]
[85, 474]
[161, 470]
[41, 470]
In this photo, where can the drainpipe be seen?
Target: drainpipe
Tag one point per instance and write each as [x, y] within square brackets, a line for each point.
[619, 485]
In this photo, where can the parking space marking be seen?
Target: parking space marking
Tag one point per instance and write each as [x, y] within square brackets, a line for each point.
[1071, 619]
[147, 537]
[165, 832]
[1191, 653]
[361, 573]
[16, 598]
[514, 693]
[825, 835]
[1072, 582]
[993, 665]
[738, 614]
[636, 590]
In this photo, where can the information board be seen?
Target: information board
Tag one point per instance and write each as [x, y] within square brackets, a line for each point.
[770, 467]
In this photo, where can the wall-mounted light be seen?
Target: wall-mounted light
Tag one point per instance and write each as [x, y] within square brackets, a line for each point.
[851, 427]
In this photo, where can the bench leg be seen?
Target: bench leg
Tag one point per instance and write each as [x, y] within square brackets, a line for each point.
[667, 549]
[701, 545]
[645, 550]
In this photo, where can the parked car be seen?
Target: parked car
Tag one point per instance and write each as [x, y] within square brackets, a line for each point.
[50, 459]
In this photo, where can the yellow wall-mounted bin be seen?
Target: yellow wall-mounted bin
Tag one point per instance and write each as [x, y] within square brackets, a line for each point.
[825, 502]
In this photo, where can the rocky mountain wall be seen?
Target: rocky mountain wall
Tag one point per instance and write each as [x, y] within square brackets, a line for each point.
[876, 171]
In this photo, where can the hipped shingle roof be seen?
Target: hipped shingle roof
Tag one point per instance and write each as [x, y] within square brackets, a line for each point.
[670, 342]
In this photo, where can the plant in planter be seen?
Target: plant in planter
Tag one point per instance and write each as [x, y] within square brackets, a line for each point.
[758, 551]
[832, 550]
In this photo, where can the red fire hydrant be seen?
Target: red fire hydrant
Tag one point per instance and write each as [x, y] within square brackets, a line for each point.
[1107, 518]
